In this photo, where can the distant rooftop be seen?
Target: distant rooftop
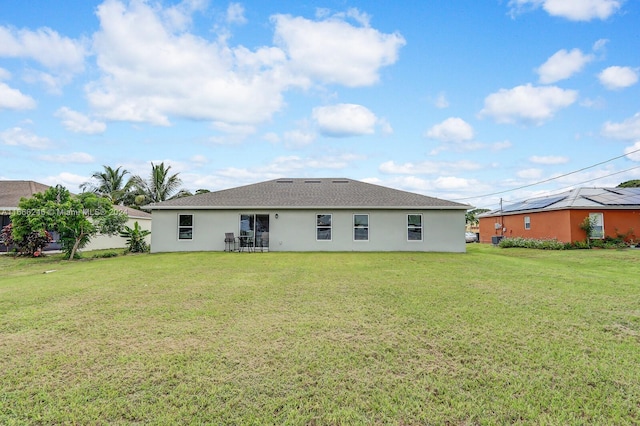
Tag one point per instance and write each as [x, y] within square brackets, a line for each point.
[11, 191]
[578, 198]
[301, 193]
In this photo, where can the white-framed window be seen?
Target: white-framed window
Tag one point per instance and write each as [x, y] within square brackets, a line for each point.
[598, 225]
[414, 227]
[361, 227]
[185, 226]
[527, 222]
[323, 227]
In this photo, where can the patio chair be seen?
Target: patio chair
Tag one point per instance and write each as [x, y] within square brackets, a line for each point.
[229, 242]
[264, 241]
[246, 241]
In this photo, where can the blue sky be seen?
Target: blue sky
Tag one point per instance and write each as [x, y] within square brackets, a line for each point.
[463, 100]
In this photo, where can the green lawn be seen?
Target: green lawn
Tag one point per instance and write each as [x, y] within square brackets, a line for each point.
[493, 336]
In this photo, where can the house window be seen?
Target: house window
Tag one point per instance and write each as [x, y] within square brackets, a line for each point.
[185, 227]
[323, 227]
[361, 227]
[414, 227]
[598, 225]
[527, 222]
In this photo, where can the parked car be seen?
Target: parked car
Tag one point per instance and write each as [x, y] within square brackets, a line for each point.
[470, 237]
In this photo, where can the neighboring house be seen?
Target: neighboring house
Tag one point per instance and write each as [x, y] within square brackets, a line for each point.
[11, 191]
[310, 215]
[100, 242]
[616, 211]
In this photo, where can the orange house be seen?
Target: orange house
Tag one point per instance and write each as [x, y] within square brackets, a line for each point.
[614, 211]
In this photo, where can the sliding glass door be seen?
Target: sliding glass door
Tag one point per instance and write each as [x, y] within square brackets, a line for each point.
[256, 228]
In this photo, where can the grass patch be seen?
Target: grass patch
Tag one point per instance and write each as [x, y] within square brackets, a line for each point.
[488, 337]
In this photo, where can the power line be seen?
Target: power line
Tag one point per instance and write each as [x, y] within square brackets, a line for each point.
[553, 178]
[580, 183]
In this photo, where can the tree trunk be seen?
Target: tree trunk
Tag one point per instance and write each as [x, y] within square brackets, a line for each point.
[75, 246]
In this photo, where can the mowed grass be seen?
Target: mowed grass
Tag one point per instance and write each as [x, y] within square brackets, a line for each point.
[493, 336]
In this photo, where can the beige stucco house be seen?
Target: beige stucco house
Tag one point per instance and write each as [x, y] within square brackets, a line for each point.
[330, 214]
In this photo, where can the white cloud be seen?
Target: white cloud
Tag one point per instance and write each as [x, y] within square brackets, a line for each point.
[210, 80]
[343, 120]
[635, 148]
[271, 137]
[14, 99]
[499, 146]
[298, 138]
[629, 129]
[199, 160]
[69, 180]
[285, 166]
[4, 74]
[427, 167]
[451, 182]
[74, 157]
[17, 136]
[334, 51]
[562, 65]
[527, 104]
[235, 14]
[79, 123]
[441, 101]
[529, 173]
[614, 78]
[203, 80]
[452, 129]
[548, 159]
[44, 46]
[574, 10]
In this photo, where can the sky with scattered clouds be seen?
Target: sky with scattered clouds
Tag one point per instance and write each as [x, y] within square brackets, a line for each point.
[465, 100]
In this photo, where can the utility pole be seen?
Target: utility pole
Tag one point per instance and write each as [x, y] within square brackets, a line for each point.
[501, 219]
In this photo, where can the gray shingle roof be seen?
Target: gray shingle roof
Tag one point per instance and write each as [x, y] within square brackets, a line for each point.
[309, 193]
[578, 198]
[12, 190]
[133, 213]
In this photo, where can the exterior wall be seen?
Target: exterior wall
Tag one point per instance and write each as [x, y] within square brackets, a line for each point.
[563, 225]
[295, 230]
[615, 222]
[101, 242]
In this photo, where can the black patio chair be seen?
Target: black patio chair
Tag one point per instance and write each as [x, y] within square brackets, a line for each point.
[229, 242]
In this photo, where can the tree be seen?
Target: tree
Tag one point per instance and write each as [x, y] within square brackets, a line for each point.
[588, 225]
[634, 183]
[76, 218]
[110, 183]
[160, 186]
[135, 238]
[471, 217]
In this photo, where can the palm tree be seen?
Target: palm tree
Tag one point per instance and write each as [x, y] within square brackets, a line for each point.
[160, 186]
[110, 184]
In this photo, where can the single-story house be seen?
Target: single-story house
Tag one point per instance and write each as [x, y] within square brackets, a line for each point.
[11, 191]
[615, 211]
[309, 215]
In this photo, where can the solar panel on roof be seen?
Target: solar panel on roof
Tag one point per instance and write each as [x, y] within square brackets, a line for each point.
[534, 204]
[620, 197]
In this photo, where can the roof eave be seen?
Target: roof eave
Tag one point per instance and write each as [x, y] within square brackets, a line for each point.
[463, 207]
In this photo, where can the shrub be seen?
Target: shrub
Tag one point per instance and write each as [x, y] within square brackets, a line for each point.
[6, 236]
[105, 254]
[135, 238]
[30, 244]
[548, 244]
[579, 245]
